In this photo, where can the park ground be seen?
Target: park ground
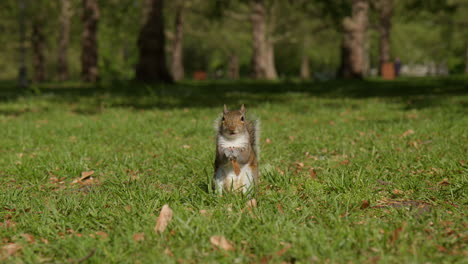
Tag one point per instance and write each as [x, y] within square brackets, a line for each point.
[351, 172]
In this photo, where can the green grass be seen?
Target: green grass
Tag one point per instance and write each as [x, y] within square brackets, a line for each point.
[150, 146]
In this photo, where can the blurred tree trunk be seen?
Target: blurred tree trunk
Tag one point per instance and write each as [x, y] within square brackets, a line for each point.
[22, 71]
[354, 34]
[233, 71]
[263, 59]
[305, 65]
[258, 35]
[38, 46]
[367, 52]
[64, 40]
[177, 47]
[89, 42]
[385, 10]
[270, 61]
[305, 68]
[466, 57]
[152, 63]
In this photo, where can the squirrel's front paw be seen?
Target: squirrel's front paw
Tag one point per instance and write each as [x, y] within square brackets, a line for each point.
[235, 152]
[228, 152]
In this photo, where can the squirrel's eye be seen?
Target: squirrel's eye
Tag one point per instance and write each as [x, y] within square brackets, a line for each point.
[242, 118]
[222, 119]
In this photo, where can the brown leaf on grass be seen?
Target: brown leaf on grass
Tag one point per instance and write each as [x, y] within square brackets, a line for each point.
[281, 252]
[344, 162]
[165, 216]
[441, 248]
[280, 208]
[444, 182]
[102, 234]
[139, 237]
[86, 174]
[9, 249]
[186, 146]
[268, 141]
[45, 241]
[312, 173]
[85, 178]
[29, 238]
[168, 252]
[365, 204]
[407, 133]
[396, 233]
[8, 224]
[236, 167]
[292, 138]
[221, 242]
[251, 203]
[203, 212]
[397, 192]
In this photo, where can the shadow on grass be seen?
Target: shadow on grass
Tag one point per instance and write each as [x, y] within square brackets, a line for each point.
[416, 93]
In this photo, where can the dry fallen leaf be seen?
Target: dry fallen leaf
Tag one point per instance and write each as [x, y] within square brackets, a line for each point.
[365, 204]
[203, 212]
[165, 216]
[186, 146]
[168, 252]
[444, 182]
[139, 237]
[280, 208]
[396, 233]
[221, 242]
[8, 224]
[102, 234]
[268, 141]
[9, 250]
[407, 133]
[28, 237]
[86, 174]
[251, 203]
[85, 178]
[397, 192]
[284, 249]
[345, 162]
[312, 173]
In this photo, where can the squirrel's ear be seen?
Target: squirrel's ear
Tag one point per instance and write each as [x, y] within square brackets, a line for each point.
[225, 109]
[242, 110]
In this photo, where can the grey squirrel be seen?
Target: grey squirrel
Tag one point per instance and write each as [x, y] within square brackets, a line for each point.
[237, 152]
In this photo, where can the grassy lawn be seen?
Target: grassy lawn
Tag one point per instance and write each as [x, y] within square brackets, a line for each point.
[351, 172]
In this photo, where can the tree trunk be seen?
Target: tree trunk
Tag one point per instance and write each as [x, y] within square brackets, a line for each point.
[89, 42]
[152, 63]
[367, 53]
[22, 72]
[64, 40]
[270, 61]
[305, 68]
[233, 71]
[258, 35]
[177, 47]
[354, 34]
[385, 9]
[38, 46]
[466, 57]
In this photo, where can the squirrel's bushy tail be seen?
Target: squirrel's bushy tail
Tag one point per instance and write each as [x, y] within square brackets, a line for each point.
[253, 127]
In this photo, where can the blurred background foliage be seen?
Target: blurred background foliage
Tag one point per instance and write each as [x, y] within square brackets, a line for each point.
[216, 31]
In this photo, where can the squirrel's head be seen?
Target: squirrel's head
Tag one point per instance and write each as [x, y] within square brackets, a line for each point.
[233, 122]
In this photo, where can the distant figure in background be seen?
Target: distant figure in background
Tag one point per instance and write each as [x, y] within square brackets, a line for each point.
[397, 66]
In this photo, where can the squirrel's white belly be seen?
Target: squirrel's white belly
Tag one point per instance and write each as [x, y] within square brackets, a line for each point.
[227, 179]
